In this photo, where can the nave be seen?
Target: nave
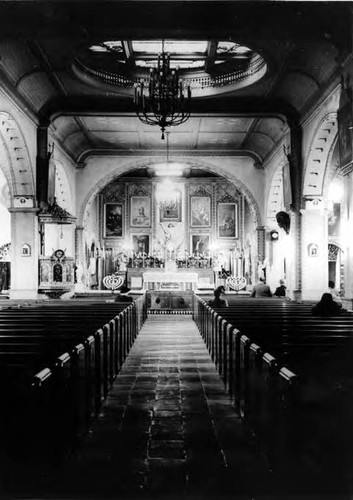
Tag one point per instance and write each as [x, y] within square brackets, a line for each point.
[192, 407]
[167, 428]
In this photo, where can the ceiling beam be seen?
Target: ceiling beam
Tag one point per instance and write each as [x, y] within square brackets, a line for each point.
[211, 55]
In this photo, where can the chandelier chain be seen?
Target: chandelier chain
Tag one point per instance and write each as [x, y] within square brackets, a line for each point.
[163, 99]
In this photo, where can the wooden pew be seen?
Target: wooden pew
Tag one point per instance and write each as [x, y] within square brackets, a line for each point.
[74, 369]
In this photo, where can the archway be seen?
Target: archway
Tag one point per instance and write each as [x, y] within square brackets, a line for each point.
[317, 161]
[225, 192]
[321, 164]
[15, 161]
[281, 249]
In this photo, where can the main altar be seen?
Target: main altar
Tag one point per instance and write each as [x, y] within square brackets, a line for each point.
[170, 278]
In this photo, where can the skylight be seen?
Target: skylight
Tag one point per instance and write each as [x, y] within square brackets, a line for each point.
[170, 46]
[208, 66]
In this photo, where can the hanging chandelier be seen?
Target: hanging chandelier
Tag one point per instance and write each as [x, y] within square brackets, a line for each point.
[163, 99]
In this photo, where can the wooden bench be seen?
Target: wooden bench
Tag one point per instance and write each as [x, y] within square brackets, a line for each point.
[56, 366]
[269, 353]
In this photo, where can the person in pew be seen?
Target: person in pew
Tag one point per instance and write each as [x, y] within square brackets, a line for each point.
[280, 290]
[218, 301]
[334, 292]
[123, 295]
[326, 307]
[261, 290]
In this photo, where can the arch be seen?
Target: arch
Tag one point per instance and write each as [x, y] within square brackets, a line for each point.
[332, 168]
[319, 153]
[16, 163]
[275, 197]
[197, 164]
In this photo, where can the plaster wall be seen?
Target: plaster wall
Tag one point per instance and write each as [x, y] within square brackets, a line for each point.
[101, 170]
[69, 168]
[314, 262]
[271, 167]
[91, 230]
[5, 217]
[24, 269]
[348, 231]
[59, 236]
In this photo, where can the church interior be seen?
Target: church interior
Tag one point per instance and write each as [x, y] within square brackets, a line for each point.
[152, 152]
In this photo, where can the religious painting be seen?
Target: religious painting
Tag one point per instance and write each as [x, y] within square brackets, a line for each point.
[227, 220]
[200, 245]
[334, 219]
[200, 210]
[141, 244]
[113, 220]
[140, 213]
[170, 207]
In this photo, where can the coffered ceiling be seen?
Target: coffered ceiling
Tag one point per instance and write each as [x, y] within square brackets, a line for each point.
[303, 44]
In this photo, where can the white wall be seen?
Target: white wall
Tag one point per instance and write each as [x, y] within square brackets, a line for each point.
[99, 171]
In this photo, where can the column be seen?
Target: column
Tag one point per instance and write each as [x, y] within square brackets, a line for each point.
[80, 276]
[42, 166]
[24, 253]
[261, 248]
[314, 250]
[347, 232]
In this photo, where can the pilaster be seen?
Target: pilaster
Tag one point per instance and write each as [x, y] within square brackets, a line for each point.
[24, 253]
[314, 253]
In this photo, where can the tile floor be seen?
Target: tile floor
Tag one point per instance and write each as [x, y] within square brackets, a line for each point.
[167, 428]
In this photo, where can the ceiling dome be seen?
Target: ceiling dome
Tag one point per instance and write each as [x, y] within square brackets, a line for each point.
[208, 67]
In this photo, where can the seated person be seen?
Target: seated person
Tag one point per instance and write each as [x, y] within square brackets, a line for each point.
[123, 295]
[326, 307]
[261, 290]
[281, 289]
[334, 292]
[217, 301]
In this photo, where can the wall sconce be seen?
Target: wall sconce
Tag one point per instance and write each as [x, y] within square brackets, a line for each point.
[274, 235]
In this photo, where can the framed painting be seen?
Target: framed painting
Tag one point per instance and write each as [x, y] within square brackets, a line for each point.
[113, 220]
[200, 244]
[170, 209]
[140, 211]
[200, 211]
[141, 244]
[227, 220]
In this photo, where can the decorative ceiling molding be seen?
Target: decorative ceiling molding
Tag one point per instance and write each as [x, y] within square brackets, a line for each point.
[81, 161]
[17, 169]
[316, 163]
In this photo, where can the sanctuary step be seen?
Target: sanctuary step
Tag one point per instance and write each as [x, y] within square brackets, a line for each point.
[166, 430]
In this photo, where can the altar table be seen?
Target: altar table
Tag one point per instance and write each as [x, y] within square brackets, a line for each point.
[162, 280]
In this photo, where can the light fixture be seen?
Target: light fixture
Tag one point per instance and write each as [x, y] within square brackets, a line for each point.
[169, 169]
[274, 235]
[163, 99]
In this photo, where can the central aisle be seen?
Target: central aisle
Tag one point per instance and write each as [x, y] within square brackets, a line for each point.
[167, 427]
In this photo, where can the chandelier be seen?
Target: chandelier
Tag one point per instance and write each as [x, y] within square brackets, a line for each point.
[163, 99]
